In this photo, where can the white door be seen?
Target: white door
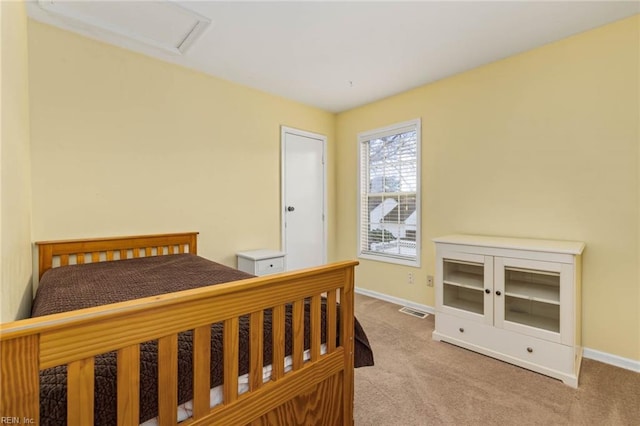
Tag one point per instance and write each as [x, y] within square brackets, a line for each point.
[303, 198]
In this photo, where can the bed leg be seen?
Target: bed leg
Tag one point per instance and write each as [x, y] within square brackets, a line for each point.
[347, 304]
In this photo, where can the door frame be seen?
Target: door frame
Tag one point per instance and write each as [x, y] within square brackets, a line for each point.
[283, 195]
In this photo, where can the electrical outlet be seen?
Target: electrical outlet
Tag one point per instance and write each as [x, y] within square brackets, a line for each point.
[429, 280]
[410, 278]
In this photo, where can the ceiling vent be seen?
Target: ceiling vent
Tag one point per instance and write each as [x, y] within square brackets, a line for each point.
[161, 24]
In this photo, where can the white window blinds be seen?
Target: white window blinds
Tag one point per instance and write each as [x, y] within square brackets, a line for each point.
[390, 193]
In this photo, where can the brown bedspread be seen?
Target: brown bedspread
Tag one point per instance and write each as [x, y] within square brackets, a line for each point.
[81, 286]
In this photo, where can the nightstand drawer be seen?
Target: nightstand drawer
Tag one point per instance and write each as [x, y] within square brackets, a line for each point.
[261, 262]
[270, 266]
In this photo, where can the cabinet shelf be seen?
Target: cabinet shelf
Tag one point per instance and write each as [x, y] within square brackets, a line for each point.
[465, 279]
[466, 305]
[536, 321]
[536, 292]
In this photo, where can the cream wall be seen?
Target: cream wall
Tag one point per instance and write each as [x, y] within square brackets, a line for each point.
[15, 186]
[543, 144]
[125, 144]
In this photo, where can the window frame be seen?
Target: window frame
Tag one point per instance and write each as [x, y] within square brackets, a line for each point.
[365, 138]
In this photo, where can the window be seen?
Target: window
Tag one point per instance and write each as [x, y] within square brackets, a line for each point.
[389, 225]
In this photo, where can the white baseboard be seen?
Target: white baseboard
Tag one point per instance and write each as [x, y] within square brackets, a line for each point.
[618, 361]
[607, 358]
[395, 300]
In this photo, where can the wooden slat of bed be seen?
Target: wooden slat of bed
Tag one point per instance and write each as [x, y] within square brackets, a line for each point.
[298, 333]
[167, 379]
[331, 320]
[230, 348]
[80, 384]
[128, 382]
[256, 325]
[315, 327]
[201, 370]
[277, 328]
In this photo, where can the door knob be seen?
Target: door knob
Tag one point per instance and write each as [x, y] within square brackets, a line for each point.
[290, 208]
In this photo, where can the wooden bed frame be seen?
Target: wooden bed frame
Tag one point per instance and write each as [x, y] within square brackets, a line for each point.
[319, 391]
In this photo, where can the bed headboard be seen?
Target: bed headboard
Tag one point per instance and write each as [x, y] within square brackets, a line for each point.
[68, 252]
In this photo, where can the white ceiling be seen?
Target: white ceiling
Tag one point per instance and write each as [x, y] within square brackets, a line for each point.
[339, 55]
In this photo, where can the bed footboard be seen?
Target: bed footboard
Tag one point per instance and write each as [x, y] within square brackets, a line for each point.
[317, 391]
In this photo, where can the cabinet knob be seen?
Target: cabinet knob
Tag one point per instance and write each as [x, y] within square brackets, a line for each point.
[530, 349]
[486, 290]
[290, 208]
[461, 330]
[498, 293]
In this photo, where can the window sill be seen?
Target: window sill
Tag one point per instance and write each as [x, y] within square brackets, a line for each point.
[387, 259]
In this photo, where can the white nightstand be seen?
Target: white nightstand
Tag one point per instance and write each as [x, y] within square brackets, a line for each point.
[261, 262]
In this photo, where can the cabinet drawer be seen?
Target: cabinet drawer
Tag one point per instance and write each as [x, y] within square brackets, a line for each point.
[473, 332]
[270, 266]
[526, 351]
[537, 351]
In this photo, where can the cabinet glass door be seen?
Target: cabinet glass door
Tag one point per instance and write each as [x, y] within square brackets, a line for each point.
[463, 285]
[528, 297]
[464, 289]
[532, 298]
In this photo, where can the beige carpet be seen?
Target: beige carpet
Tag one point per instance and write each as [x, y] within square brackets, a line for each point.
[418, 381]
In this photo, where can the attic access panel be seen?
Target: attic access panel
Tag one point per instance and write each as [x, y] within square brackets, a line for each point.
[161, 24]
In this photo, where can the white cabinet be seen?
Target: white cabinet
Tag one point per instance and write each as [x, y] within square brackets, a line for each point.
[261, 262]
[514, 299]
